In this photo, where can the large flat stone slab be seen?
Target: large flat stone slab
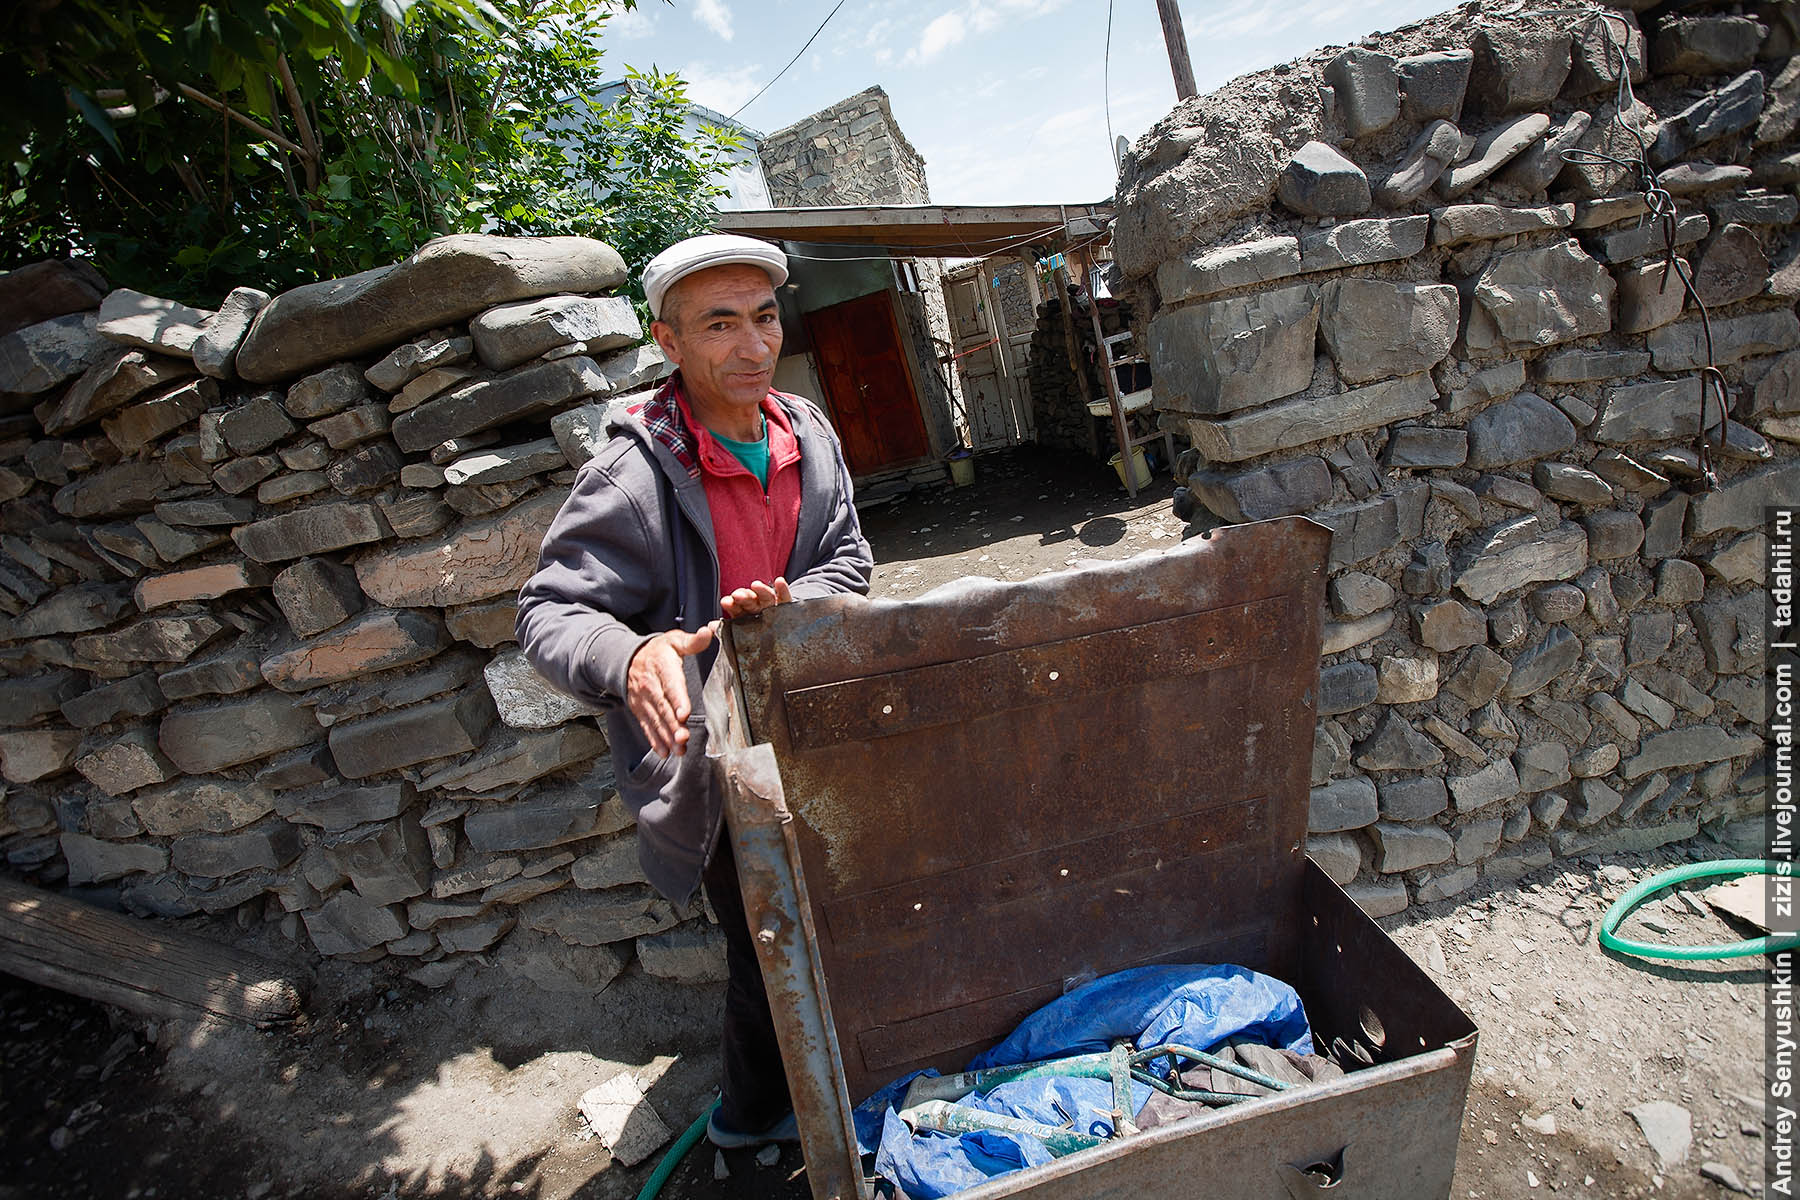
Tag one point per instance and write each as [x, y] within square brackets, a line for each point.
[377, 640]
[417, 734]
[150, 322]
[1376, 329]
[201, 806]
[1690, 747]
[1226, 267]
[510, 334]
[480, 406]
[1518, 553]
[475, 560]
[1740, 503]
[1224, 355]
[110, 384]
[1300, 422]
[1536, 298]
[41, 356]
[200, 740]
[446, 281]
[524, 698]
[313, 530]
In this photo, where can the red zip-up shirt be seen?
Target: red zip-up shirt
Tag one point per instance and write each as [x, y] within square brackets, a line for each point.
[753, 527]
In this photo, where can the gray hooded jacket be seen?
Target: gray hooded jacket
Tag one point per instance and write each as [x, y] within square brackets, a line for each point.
[632, 554]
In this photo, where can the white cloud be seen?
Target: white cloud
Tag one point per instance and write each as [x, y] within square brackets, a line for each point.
[713, 15]
[631, 24]
[939, 36]
[879, 32]
[723, 91]
[976, 16]
[991, 14]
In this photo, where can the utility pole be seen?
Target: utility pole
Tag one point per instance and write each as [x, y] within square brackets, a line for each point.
[1178, 51]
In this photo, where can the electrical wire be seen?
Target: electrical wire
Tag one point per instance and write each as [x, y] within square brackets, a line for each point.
[1112, 143]
[1661, 207]
[791, 61]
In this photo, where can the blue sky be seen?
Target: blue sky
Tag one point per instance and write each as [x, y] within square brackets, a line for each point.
[1003, 98]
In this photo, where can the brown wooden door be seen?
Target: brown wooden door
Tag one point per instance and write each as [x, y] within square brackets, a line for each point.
[856, 346]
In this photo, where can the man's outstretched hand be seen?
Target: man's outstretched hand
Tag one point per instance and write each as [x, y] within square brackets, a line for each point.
[656, 689]
[756, 597]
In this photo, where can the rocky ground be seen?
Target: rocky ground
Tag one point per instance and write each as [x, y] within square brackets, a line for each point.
[387, 1089]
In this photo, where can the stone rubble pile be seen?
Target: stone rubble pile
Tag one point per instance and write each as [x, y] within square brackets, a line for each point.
[257, 578]
[1374, 290]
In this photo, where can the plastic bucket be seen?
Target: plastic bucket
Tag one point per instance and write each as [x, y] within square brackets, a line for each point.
[1139, 467]
[962, 470]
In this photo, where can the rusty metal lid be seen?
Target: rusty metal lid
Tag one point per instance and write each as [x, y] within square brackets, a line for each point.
[999, 789]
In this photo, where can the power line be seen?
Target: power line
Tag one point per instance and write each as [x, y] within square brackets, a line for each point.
[791, 61]
[1112, 143]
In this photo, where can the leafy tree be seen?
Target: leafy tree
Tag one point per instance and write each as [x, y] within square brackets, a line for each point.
[188, 146]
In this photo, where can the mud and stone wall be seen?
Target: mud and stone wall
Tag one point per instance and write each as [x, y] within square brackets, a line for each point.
[1391, 287]
[257, 579]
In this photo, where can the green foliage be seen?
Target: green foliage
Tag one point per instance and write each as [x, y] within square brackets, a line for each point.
[191, 146]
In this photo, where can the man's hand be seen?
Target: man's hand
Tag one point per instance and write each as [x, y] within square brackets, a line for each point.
[756, 597]
[656, 690]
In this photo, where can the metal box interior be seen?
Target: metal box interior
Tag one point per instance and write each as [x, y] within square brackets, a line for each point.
[947, 810]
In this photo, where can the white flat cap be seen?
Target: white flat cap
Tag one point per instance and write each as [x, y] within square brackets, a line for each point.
[709, 250]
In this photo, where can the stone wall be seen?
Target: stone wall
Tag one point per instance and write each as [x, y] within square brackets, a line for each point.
[257, 577]
[1380, 287]
[1058, 407]
[850, 153]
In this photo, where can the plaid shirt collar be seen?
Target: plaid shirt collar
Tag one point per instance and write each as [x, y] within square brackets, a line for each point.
[661, 415]
[664, 416]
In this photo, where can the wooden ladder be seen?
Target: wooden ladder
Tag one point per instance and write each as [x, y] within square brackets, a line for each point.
[1117, 402]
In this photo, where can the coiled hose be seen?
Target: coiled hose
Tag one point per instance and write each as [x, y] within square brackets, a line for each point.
[1667, 879]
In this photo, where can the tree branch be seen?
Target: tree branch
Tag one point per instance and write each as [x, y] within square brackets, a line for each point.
[307, 137]
[260, 130]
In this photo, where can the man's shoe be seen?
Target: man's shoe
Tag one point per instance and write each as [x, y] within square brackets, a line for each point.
[726, 1138]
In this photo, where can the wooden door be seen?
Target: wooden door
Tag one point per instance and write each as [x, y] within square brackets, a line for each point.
[991, 359]
[856, 345]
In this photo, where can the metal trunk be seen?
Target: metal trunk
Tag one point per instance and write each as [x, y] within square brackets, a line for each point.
[946, 811]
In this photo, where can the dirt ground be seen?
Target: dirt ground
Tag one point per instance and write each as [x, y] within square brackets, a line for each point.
[386, 1090]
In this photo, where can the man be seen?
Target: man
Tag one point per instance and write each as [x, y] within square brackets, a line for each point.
[719, 497]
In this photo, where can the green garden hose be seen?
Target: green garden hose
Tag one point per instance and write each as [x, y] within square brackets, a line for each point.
[1667, 879]
[676, 1153]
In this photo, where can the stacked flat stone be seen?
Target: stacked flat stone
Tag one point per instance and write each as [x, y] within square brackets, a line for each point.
[1058, 399]
[1376, 292]
[257, 579]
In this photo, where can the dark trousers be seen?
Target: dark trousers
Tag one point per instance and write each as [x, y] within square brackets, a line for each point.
[754, 1087]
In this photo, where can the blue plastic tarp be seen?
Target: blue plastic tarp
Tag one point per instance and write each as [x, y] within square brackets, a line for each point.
[1199, 1006]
